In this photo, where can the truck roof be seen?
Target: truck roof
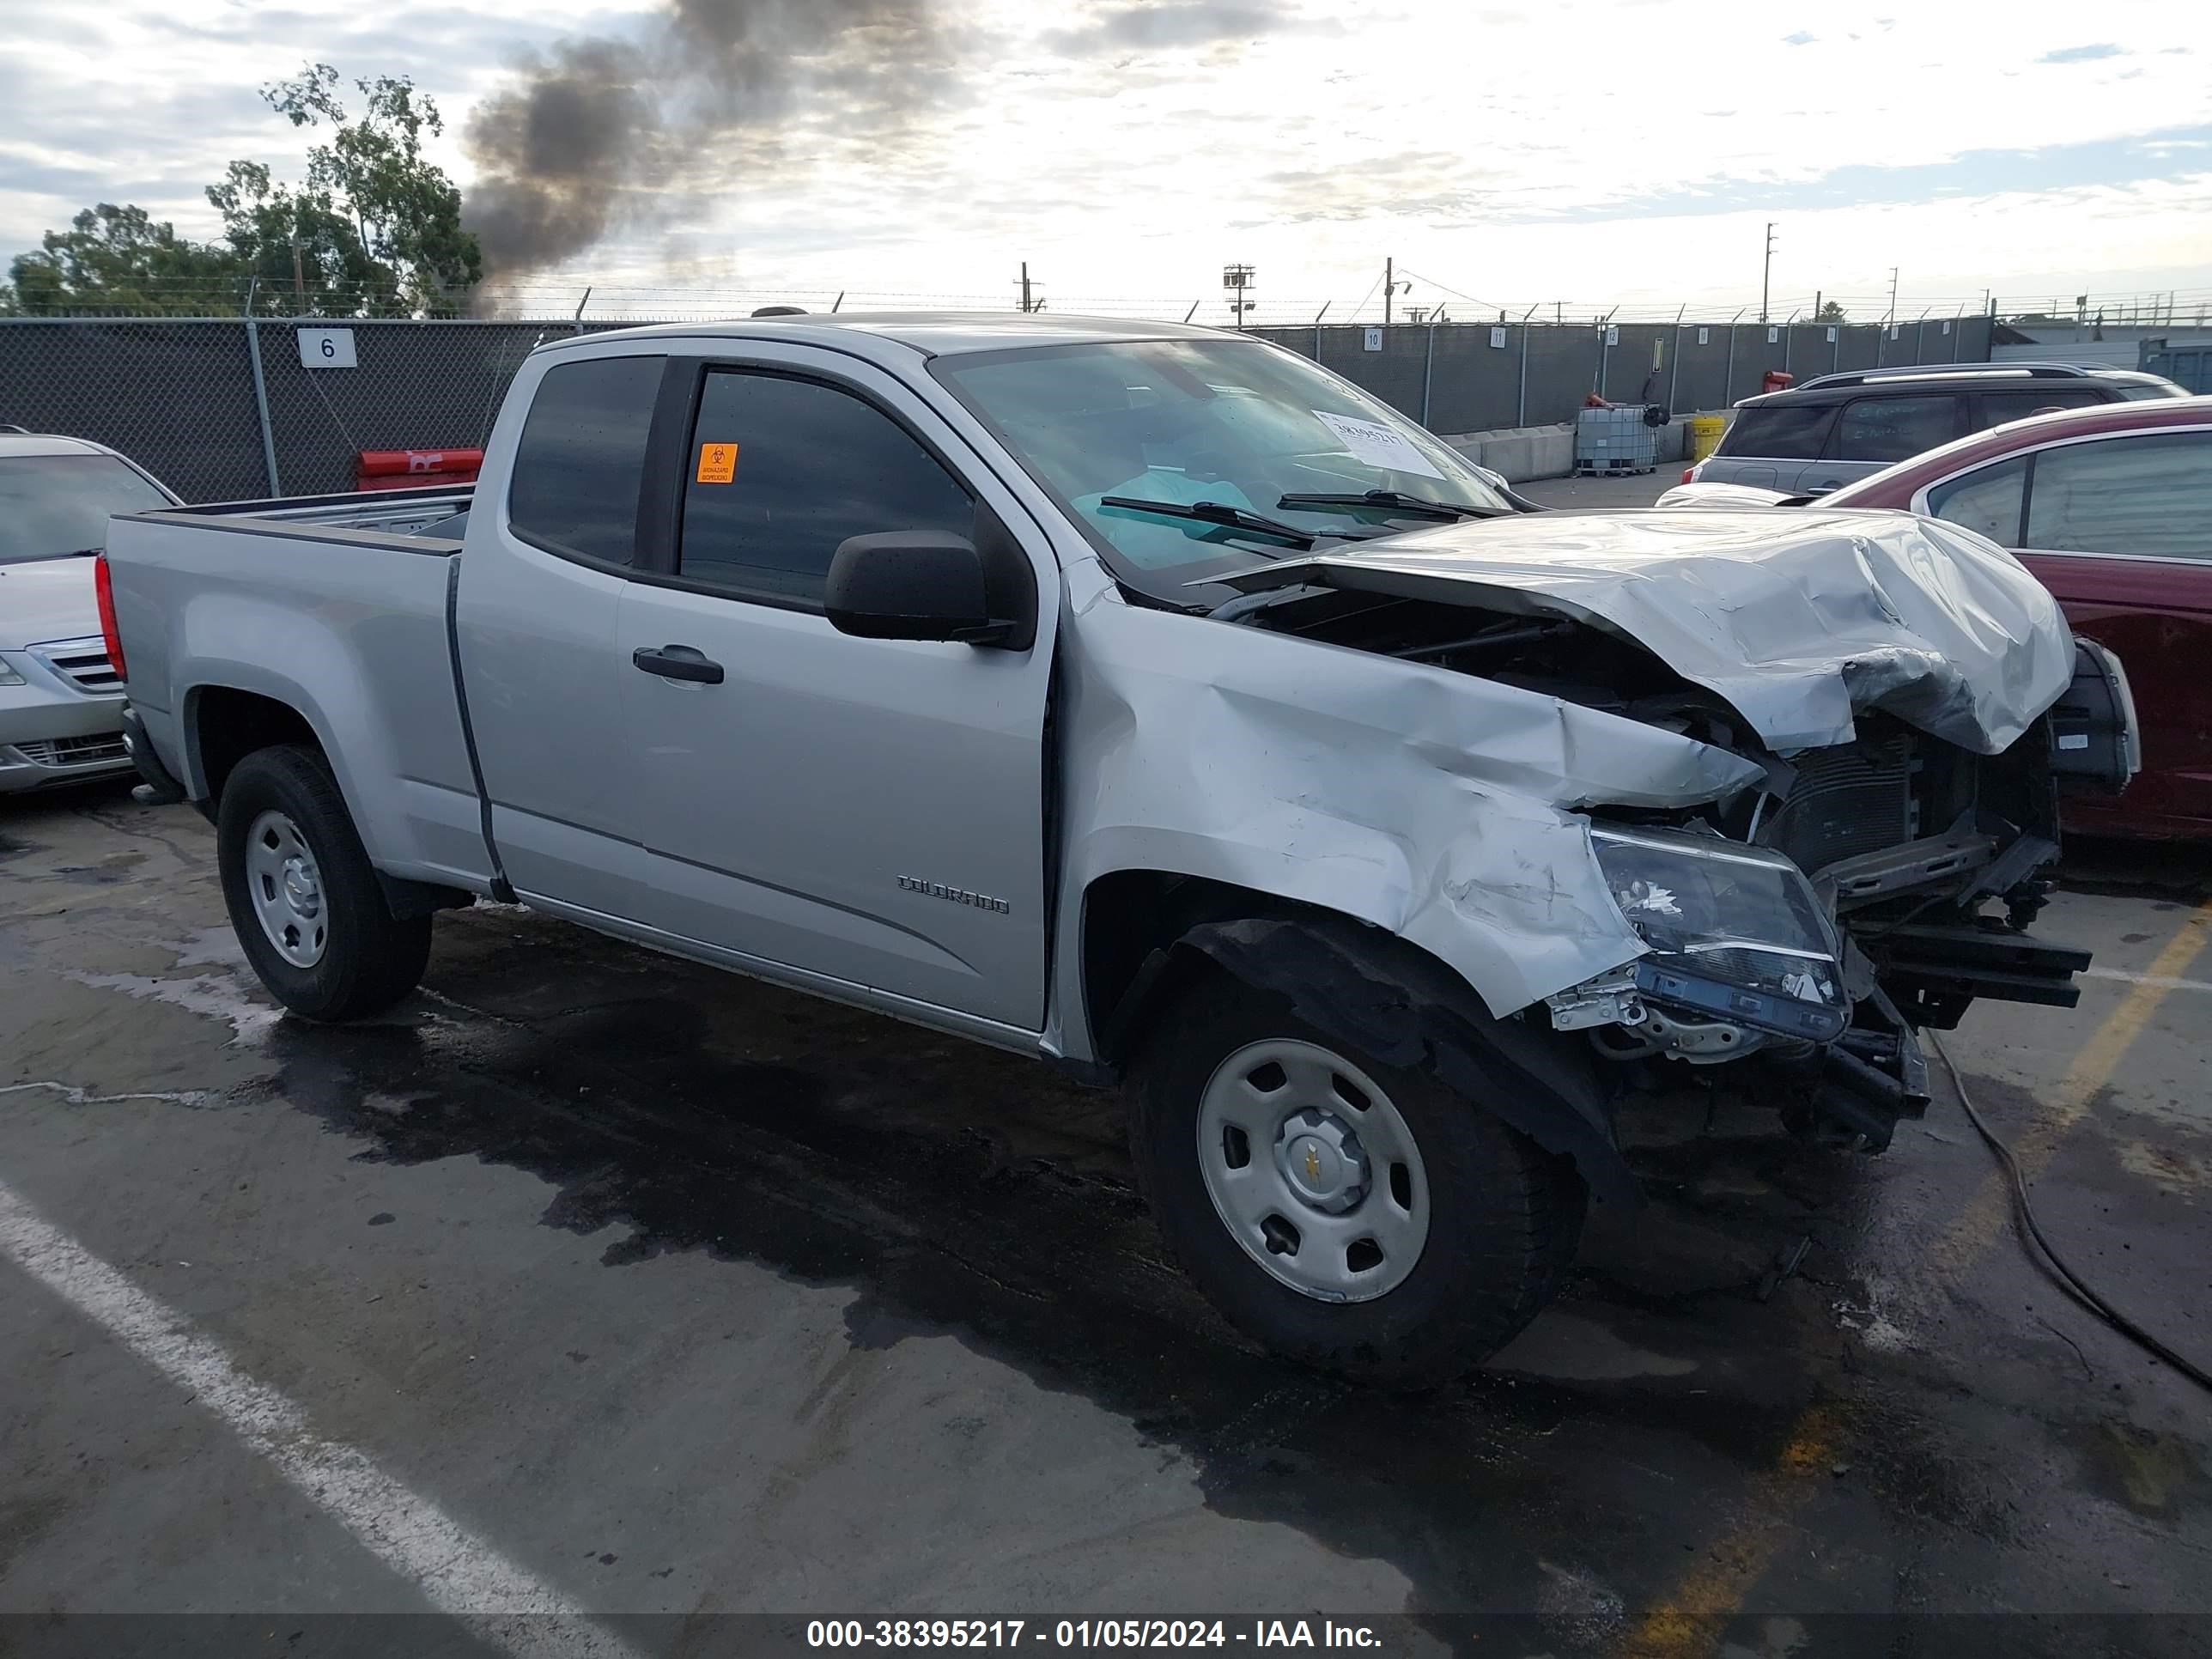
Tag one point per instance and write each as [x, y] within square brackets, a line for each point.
[932, 333]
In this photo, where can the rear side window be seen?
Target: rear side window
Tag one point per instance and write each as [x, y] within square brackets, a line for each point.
[2147, 495]
[1988, 502]
[581, 458]
[1780, 432]
[779, 471]
[1891, 428]
[1998, 407]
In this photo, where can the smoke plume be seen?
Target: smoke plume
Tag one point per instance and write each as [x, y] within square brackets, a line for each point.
[601, 131]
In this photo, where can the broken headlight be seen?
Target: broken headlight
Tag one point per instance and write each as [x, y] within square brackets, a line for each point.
[1736, 932]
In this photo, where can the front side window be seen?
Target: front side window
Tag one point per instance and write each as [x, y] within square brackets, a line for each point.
[1779, 432]
[1237, 423]
[1892, 428]
[53, 505]
[2149, 494]
[779, 471]
[580, 460]
[1987, 502]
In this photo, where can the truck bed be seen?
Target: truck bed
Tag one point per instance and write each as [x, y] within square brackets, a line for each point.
[325, 606]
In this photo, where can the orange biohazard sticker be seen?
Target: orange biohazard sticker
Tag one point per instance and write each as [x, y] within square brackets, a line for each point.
[717, 463]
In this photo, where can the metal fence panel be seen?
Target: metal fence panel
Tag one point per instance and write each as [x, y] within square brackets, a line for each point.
[418, 386]
[1476, 386]
[175, 396]
[178, 394]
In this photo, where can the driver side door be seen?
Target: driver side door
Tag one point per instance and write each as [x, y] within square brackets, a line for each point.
[865, 813]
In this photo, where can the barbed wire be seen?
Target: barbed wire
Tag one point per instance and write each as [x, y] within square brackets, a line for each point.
[1433, 303]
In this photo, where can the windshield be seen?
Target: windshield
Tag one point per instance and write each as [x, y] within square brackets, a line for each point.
[53, 506]
[1237, 422]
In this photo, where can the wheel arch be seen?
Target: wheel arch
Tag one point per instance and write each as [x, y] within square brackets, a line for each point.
[222, 724]
[1147, 933]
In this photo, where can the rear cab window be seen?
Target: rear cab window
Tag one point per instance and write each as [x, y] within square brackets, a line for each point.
[580, 464]
[1779, 432]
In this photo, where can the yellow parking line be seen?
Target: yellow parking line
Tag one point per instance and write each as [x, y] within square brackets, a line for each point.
[1984, 1217]
[1690, 1620]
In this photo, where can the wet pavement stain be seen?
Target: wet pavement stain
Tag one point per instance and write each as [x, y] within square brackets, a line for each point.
[963, 1193]
[2157, 1476]
[956, 1193]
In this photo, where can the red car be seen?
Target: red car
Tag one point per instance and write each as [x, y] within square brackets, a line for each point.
[2112, 507]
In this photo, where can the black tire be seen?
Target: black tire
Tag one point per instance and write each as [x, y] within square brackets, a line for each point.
[1504, 1215]
[371, 958]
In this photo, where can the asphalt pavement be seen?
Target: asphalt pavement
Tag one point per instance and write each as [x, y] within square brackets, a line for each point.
[593, 1287]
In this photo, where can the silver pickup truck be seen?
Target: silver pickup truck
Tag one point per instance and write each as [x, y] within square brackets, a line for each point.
[1152, 701]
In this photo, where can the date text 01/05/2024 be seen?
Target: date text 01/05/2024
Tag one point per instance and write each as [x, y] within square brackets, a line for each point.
[1087, 1633]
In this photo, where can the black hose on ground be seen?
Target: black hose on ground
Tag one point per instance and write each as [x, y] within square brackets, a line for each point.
[2053, 1265]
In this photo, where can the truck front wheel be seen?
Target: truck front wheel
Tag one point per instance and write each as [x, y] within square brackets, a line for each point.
[1343, 1212]
[302, 895]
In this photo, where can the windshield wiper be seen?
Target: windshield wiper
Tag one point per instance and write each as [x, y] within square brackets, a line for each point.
[1392, 500]
[1232, 518]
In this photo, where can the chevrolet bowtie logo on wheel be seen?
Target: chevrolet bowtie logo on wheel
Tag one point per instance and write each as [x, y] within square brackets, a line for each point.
[956, 894]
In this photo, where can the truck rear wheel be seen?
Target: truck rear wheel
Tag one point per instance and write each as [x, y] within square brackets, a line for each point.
[302, 895]
[1343, 1212]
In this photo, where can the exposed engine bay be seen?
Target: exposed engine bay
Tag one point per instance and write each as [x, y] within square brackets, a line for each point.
[1809, 923]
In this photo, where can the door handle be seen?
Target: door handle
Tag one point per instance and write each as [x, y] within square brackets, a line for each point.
[678, 662]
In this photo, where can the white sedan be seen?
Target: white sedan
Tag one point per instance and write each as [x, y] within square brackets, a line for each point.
[61, 699]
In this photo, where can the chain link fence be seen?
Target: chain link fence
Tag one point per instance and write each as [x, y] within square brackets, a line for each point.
[187, 398]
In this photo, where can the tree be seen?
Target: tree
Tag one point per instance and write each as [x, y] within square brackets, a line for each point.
[118, 260]
[1830, 312]
[405, 214]
[301, 245]
[374, 228]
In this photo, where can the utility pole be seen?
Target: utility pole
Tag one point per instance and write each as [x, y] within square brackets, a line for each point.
[299, 275]
[1891, 320]
[1029, 303]
[1767, 274]
[1391, 286]
[1238, 279]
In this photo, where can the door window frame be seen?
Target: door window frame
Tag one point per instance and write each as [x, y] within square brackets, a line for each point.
[667, 471]
[2027, 489]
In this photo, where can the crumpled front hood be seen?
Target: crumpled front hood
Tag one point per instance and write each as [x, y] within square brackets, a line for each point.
[46, 599]
[1797, 619]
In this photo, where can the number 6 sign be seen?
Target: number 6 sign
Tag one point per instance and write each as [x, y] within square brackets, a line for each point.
[326, 347]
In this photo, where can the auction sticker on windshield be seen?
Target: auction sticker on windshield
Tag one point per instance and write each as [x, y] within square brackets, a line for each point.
[717, 463]
[1377, 445]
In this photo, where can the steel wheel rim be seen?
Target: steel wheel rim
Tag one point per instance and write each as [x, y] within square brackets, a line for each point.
[1313, 1170]
[286, 887]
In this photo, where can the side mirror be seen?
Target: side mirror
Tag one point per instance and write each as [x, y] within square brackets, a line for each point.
[913, 585]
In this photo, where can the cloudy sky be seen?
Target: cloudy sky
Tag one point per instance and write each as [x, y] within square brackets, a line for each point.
[1507, 154]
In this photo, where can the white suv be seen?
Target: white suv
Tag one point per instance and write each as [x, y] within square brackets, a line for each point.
[61, 699]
